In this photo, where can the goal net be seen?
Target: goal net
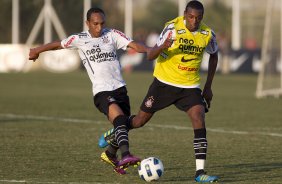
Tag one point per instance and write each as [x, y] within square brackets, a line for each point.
[269, 81]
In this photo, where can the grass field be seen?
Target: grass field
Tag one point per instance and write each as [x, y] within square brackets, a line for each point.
[49, 130]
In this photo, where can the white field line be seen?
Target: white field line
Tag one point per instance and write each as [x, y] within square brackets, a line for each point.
[176, 127]
[25, 181]
[29, 181]
[219, 130]
[13, 181]
[71, 120]
[48, 118]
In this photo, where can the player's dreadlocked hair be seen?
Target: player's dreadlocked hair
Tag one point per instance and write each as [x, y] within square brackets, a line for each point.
[195, 5]
[94, 10]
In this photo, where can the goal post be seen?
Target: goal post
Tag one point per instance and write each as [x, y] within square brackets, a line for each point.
[269, 81]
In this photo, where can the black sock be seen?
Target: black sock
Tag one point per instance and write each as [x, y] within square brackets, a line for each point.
[121, 134]
[200, 143]
[110, 154]
[112, 150]
[114, 144]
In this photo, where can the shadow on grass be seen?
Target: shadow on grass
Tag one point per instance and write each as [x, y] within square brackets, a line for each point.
[182, 179]
[250, 171]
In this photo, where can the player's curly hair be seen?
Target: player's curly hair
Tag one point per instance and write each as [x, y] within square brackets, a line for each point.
[94, 10]
[195, 5]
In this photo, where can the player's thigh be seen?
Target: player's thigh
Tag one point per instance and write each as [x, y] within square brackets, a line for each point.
[113, 103]
[122, 100]
[159, 96]
[189, 98]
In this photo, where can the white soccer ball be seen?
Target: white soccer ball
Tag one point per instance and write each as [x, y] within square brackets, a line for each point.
[151, 169]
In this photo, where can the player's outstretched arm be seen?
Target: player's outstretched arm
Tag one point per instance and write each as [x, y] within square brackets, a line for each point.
[138, 47]
[154, 52]
[34, 52]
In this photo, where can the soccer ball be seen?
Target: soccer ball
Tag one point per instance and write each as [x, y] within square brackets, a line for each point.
[151, 169]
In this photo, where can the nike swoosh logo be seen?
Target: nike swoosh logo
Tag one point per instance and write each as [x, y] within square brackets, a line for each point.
[187, 60]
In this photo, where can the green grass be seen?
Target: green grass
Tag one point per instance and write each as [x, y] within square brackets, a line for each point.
[49, 129]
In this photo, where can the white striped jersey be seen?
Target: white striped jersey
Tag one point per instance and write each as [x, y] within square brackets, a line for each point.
[99, 57]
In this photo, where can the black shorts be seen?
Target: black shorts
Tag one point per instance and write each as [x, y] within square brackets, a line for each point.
[119, 96]
[161, 95]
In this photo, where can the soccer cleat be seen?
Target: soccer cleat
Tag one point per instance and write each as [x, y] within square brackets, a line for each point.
[106, 138]
[102, 142]
[119, 170]
[113, 162]
[204, 178]
[129, 160]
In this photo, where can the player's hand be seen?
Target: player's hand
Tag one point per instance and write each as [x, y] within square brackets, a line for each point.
[169, 41]
[33, 54]
[207, 95]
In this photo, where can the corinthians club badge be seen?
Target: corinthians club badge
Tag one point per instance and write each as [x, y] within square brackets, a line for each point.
[149, 102]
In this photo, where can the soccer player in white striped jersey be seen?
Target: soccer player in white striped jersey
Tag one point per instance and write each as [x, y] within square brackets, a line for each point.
[97, 49]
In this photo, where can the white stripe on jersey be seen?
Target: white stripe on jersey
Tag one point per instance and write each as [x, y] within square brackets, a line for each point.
[212, 47]
[99, 57]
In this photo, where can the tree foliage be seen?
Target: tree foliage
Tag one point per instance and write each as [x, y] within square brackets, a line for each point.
[70, 12]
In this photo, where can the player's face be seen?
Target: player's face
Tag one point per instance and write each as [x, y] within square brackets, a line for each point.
[193, 18]
[96, 24]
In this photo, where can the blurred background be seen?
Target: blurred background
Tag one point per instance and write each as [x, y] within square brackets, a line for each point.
[248, 32]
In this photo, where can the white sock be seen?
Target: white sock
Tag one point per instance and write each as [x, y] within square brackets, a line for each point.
[200, 164]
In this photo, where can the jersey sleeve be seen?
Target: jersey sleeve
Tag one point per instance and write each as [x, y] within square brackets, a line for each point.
[70, 42]
[120, 39]
[168, 30]
[212, 47]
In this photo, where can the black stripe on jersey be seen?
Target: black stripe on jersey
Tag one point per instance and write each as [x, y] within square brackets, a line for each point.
[88, 62]
[213, 34]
